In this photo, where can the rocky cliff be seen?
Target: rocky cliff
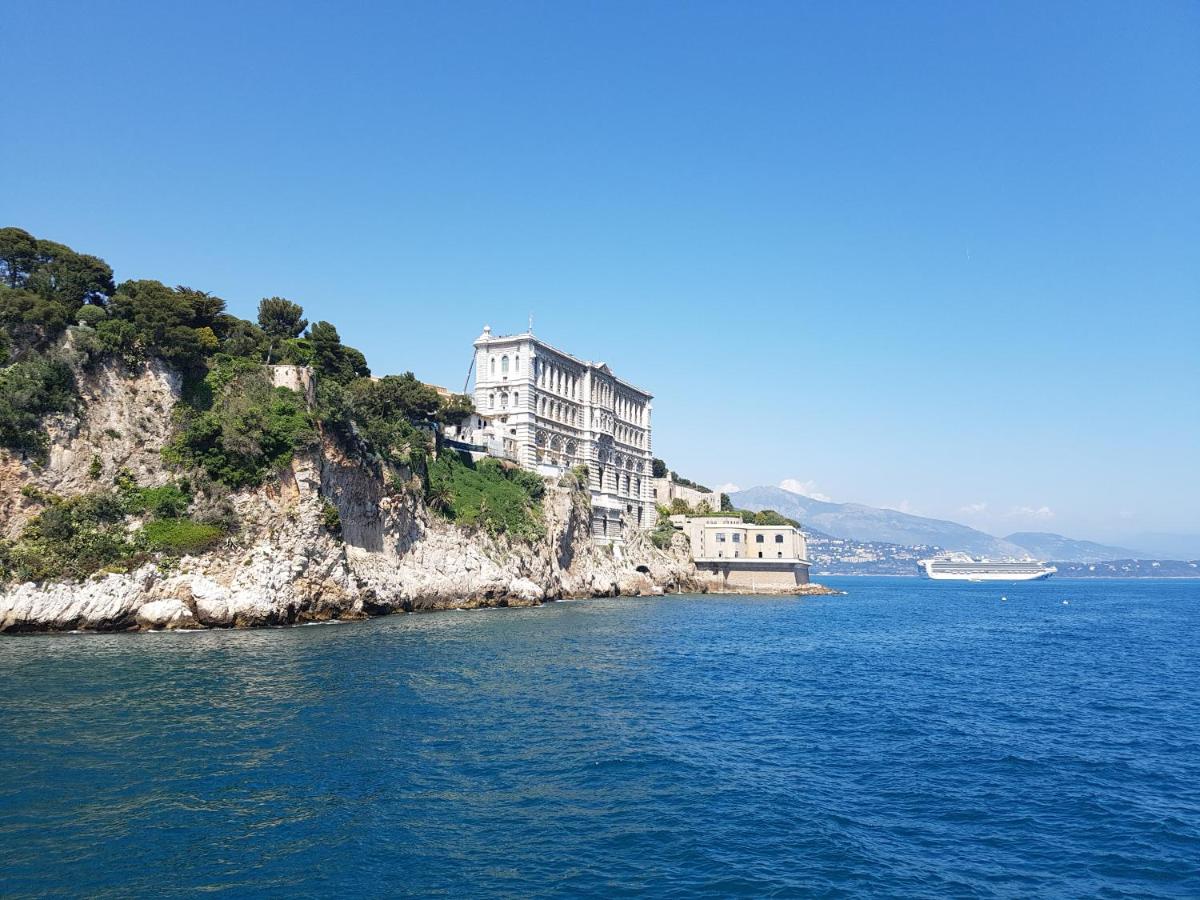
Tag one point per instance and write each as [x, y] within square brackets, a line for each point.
[284, 564]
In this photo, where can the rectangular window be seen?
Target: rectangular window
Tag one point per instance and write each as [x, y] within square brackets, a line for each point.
[720, 537]
[737, 538]
[758, 539]
[779, 538]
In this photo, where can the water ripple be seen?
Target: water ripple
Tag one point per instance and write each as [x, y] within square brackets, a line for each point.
[909, 740]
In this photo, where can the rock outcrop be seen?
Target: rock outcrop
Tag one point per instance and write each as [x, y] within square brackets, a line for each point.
[284, 565]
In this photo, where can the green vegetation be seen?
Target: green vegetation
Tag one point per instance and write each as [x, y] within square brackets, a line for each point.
[61, 313]
[70, 539]
[30, 390]
[387, 413]
[500, 498]
[78, 536]
[237, 427]
[663, 532]
[178, 537]
[331, 518]
[766, 517]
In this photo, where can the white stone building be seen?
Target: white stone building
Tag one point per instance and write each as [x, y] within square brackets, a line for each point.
[549, 411]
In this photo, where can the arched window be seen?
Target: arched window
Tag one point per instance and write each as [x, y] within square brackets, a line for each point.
[779, 538]
[493, 365]
[504, 401]
[516, 398]
[504, 365]
[517, 363]
[492, 400]
[758, 538]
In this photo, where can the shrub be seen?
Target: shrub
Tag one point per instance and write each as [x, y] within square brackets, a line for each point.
[30, 390]
[248, 429]
[71, 539]
[168, 501]
[331, 518]
[500, 499]
[180, 536]
[90, 315]
[662, 533]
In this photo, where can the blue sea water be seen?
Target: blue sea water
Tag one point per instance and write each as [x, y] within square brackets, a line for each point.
[908, 739]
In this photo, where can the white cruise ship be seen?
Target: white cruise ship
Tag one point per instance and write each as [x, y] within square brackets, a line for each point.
[961, 567]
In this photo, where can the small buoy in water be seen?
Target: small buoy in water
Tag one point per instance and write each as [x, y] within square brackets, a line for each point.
[1066, 603]
[1002, 599]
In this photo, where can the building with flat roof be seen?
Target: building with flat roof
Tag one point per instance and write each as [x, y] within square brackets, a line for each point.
[548, 411]
[743, 556]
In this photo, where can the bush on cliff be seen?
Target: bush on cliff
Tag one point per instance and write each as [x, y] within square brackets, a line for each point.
[29, 391]
[237, 427]
[180, 536]
[490, 495]
[77, 536]
[386, 412]
[71, 538]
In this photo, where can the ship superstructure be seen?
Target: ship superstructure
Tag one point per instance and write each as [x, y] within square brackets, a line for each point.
[961, 567]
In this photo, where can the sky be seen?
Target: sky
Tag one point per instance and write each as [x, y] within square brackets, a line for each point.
[939, 257]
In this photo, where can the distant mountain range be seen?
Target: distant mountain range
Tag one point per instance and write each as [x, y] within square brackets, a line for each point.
[869, 524]
[1044, 545]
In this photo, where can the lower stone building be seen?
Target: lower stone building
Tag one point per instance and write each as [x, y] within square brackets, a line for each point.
[746, 557]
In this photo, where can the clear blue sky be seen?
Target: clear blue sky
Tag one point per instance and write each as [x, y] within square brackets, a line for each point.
[930, 255]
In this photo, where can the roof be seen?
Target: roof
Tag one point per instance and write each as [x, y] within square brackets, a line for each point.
[487, 336]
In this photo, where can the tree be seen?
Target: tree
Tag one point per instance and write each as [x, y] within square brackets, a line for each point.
[206, 309]
[455, 408]
[395, 395]
[18, 255]
[281, 318]
[659, 468]
[726, 503]
[147, 318]
[72, 279]
[30, 390]
[332, 358]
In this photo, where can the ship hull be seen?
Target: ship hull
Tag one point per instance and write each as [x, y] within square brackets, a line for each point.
[988, 576]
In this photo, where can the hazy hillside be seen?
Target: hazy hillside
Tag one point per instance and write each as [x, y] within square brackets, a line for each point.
[867, 523]
[1045, 545]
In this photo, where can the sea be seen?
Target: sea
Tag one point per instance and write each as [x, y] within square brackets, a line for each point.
[906, 739]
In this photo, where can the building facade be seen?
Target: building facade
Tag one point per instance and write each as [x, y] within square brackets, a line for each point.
[745, 556]
[548, 411]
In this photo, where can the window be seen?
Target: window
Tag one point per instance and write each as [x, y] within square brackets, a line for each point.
[737, 538]
[517, 363]
[720, 537]
[758, 539]
[760, 554]
[516, 398]
[779, 538]
[504, 365]
[492, 400]
[493, 365]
